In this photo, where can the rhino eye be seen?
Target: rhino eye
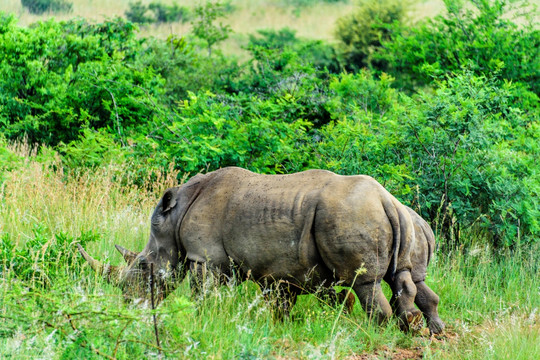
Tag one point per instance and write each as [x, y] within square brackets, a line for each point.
[143, 263]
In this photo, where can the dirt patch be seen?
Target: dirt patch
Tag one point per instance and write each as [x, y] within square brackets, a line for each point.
[387, 353]
[413, 353]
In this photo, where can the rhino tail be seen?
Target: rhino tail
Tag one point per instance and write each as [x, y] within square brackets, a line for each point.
[403, 234]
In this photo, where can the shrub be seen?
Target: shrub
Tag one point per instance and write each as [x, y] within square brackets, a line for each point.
[212, 131]
[42, 6]
[313, 52]
[204, 25]
[463, 154]
[361, 33]
[156, 11]
[482, 35]
[473, 154]
[138, 13]
[169, 13]
[57, 78]
[43, 257]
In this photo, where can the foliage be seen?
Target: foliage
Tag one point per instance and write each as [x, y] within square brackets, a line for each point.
[313, 52]
[364, 134]
[461, 151]
[137, 12]
[43, 6]
[58, 78]
[92, 149]
[156, 12]
[42, 258]
[185, 69]
[475, 153]
[170, 13]
[204, 26]
[482, 35]
[362, 33]
[211, 131]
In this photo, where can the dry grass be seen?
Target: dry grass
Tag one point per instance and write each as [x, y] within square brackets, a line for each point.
[316, 22]
[42, 194]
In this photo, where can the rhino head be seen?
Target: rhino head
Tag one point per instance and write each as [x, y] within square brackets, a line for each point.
[156, 266]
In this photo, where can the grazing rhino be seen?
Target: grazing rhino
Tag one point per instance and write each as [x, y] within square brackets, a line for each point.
[291, 233]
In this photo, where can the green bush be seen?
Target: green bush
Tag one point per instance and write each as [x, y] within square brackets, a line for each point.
[474, 156]
[43, 6]
[156, 12]
[204, 26]
[313, 52]
[464, 154]
[138, 13]
[43, 257]
[482, 35]
[361, 33]
[169, 13]
[57, 78]
[212, 131]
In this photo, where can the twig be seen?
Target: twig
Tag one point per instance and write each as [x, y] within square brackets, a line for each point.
[118, 340]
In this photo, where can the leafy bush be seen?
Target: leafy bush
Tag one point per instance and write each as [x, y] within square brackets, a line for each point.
[211, 131]
[42, 6]
[362, 32]
[482, 35]
[169, 13]
[156, 11]
[464, 154]
[474, 157]
[310, 52]
[43, 257]
[92, 149]
[138, 13]
[204, 24]
[57, 78]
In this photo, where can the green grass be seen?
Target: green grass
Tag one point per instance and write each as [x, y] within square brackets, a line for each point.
[53, 306]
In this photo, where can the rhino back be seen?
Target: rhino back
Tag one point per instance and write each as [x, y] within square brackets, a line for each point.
[289, 226]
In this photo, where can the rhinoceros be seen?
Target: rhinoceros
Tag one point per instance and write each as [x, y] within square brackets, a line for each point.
[294, 233]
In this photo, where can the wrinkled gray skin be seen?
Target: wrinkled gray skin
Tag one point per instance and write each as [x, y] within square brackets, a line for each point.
[290, 233]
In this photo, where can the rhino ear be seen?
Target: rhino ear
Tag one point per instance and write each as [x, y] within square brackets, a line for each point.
[128, 255]
[169, 201]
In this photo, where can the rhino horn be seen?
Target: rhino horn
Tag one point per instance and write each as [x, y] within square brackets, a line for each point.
[128, 255]
[108, 271]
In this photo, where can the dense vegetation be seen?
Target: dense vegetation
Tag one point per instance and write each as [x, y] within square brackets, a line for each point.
[443, 112]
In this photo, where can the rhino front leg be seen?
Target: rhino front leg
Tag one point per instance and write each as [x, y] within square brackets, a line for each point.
[403, 296]
[198, 272]
[427, 302]
[335, 299]
[373, 301]
[282, 296]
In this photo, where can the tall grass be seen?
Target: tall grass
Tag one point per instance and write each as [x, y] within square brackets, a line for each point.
[63, 310]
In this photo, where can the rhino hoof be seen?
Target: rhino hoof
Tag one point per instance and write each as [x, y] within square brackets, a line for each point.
[436, 326]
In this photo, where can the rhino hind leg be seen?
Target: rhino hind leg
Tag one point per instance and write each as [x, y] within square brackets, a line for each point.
[373, 301]
[403, 296]
[427, 302]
